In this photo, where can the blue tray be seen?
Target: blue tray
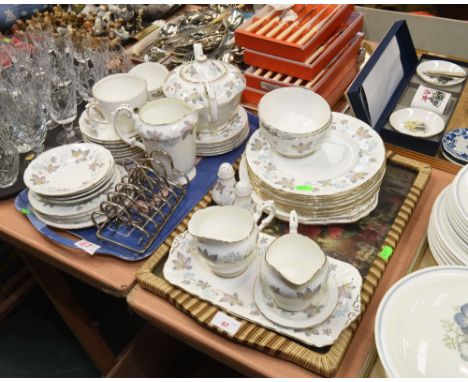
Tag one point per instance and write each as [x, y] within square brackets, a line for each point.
[203, 182]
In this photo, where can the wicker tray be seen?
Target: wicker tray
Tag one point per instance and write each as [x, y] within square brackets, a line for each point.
[360, 244]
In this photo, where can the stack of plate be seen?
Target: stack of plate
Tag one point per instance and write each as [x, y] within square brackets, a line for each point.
[104, 134]
[68, 183]
[448, 226]
[455, 146]
[226, 138]
[338, 183]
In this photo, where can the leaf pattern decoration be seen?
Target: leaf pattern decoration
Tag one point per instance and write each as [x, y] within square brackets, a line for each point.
[232, 299]
[203, 284]
[286, 183]
[312, 310]
[256, 145]
[79, 155]
[356, 176]
[52, 168]
[345, 289]
[182, 262]
[38, 180]
[95, 165]
[363, 133]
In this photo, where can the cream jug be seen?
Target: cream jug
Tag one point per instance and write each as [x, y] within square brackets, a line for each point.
[165, 124]
[227, 236]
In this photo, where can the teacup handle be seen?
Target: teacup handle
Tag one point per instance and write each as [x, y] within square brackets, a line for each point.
[125, 138]
[92, 106]
[259, 210]
[293, 221]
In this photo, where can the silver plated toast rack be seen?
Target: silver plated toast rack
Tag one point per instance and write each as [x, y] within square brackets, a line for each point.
[137, 209]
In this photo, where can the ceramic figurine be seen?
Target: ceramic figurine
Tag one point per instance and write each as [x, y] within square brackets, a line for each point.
[223, 191]
[243, 196]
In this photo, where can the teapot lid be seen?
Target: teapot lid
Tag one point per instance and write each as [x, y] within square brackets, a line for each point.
[202, 70]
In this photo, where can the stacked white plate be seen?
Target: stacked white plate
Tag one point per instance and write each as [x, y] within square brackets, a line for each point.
[68, 183]
[225, 138]
[338, 183]
[104, 134]
[448, 226]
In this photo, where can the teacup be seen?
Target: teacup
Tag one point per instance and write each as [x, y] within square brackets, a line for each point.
[227, 236]
[113, 91]
[154, 74]
[294, 270]
[295, 121]
[166, 124]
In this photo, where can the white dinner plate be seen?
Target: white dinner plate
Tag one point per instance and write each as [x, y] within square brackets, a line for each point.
[421, 327]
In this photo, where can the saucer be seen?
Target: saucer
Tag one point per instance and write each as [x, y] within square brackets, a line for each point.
[433, 123]
[443, 66]
[226, 137]
[311, 316]
[455, 143]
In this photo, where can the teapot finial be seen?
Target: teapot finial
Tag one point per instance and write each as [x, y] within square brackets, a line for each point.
[198, 52]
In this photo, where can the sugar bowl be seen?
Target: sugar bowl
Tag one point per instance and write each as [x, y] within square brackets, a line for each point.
[295, 270]
[226, 236]
[295, 121]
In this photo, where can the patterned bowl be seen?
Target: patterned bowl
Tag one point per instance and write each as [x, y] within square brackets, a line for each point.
[294, 120]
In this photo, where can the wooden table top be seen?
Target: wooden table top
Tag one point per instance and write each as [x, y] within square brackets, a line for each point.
[105, 273]
[251, 362]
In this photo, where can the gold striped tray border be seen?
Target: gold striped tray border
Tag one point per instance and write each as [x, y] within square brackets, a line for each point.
[269, 341]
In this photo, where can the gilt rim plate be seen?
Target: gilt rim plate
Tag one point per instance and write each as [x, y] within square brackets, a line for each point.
[351, 154]
[68, 170]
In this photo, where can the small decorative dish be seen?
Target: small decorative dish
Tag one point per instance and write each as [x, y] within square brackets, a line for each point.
[417, 122]
[441, 73]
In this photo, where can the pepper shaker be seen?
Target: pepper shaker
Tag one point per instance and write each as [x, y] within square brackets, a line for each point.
[223, 191]
[243, 196]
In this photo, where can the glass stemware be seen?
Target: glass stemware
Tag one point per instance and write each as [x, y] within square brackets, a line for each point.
[61, 99]
[9, 164]
[22, 108]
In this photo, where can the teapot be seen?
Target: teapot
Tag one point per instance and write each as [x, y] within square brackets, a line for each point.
[213, 86]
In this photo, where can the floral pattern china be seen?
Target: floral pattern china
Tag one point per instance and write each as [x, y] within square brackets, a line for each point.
[69, 169]
[351, 154]
[421, 327]
[186, 269]
[456, 332]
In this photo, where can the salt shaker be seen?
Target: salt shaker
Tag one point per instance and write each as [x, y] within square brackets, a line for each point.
[223, 191]
[243, 196]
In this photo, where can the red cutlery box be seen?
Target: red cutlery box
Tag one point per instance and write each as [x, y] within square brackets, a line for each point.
[317, 61]
[328, 18]
[331, 83]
